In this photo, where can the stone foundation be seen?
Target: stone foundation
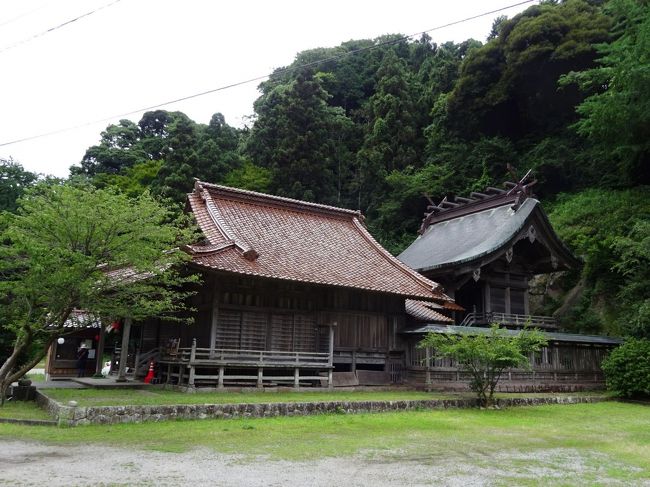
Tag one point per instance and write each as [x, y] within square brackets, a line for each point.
[77, 415]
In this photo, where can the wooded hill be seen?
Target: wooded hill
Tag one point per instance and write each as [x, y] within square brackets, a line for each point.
[562, 88]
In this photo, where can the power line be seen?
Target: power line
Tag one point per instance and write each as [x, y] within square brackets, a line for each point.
[260, 78]
[24, 14]
[56, 27]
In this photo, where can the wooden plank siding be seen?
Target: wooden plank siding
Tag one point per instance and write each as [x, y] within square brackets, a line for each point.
[557, 363]
[249, 313]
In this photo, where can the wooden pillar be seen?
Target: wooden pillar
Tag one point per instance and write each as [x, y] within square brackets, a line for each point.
[330, 361]
[331, 344]
[126, 333]
[190, 380]
[99, 353]
[296, 378]
[428, 364]
[221, 373]
[260, 377]
[215, 318]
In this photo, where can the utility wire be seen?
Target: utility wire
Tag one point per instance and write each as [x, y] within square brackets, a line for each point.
[24, 14]
[260, 78]
[56, 27]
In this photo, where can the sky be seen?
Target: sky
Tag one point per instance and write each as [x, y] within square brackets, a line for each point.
[133, 54]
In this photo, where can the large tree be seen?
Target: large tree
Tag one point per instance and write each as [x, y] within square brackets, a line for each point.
[76, 247]
[302, 140]
[616, 114]
[14, 180]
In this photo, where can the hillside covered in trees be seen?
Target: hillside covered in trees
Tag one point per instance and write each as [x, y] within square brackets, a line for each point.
[562, 89]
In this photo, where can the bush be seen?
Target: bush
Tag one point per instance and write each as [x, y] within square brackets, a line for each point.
[627, 369]
[486, 356]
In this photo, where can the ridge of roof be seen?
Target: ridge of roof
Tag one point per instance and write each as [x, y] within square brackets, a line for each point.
[264, 198]
[515, 193]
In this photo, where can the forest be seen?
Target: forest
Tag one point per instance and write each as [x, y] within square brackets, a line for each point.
[562, 89]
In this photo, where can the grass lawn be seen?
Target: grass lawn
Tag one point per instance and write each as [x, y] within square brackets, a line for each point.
[22, 410]
[612, 439]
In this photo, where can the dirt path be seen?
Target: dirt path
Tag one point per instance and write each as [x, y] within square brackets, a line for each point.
[25, 463]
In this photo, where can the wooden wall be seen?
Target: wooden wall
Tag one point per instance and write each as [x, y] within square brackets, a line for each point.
[262, 314]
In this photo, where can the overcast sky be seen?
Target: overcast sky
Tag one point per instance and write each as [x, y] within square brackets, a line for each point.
[139, 53]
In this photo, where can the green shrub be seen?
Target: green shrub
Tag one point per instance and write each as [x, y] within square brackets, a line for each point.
[627, 369]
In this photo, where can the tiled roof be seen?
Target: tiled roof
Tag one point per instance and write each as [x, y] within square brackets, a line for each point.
[423, 311]
[269, 236]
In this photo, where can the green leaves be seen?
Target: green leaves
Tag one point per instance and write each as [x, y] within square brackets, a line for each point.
[486, 356]
[610, 230]
[627, 369]
[63, 248]
[616, 113]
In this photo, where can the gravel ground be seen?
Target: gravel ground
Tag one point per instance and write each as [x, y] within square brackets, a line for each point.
[26, 463]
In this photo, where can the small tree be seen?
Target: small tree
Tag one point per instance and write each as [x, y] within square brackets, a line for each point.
[627, 369]
[75, 247]
[486, 356]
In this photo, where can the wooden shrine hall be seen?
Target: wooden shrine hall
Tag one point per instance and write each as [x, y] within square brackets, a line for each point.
[501, 239]
[293, 294]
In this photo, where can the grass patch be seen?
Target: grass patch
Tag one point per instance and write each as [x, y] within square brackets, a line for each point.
[150, 397]
[22, 410]
[35, 377]
[610, 438]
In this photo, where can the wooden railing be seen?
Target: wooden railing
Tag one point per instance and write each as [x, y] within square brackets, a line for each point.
[218, 356]
[194, 364]
[509, 319]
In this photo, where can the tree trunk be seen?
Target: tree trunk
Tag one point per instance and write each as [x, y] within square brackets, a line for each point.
[7, 373]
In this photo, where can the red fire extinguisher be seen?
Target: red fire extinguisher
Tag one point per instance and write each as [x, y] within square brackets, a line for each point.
[149, 377]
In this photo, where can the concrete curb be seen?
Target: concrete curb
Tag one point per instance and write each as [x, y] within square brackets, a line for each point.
[29, 422]
[82, 415]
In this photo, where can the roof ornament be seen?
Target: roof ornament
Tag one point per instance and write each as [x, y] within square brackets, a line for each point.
[476, 274]
[532, 233]
[509, 254]
[521, 189]
[515, 193]
[554, 261]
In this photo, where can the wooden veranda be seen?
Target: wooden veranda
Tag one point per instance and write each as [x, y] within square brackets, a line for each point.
[196, 366]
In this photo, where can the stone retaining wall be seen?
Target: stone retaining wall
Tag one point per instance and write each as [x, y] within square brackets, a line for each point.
[78, 415]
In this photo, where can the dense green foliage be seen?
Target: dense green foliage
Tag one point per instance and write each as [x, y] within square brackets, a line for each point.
[627, 369]
[486, 357]
[72, 247]
[610, 231]
[561, 88]
[14, 180]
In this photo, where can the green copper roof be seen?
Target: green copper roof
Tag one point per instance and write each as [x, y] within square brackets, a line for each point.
[551, 336]
[474, 237]
[467, 237]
